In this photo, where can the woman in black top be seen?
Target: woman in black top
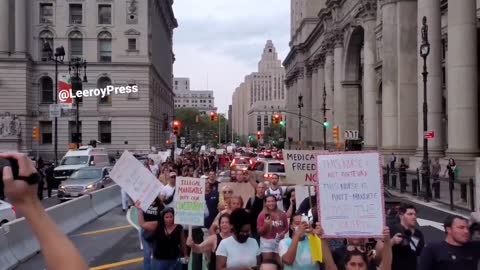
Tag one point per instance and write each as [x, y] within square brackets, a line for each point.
[169, 243]
[151, 215]
[211, 243]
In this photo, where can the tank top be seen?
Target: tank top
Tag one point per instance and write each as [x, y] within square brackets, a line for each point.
[212, 265]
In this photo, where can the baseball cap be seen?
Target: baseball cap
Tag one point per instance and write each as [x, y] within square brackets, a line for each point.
[204, 177]
[173, 174]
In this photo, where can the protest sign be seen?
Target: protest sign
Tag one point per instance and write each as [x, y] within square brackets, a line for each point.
[300, 166]
[220, 152]
[190, 201]
[139, 183]
[301, 193]
[350, 196]
[244, 190]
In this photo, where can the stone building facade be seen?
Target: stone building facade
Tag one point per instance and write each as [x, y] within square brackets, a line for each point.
[365, 54]
[202, 100]
[126, 42]
[262, 94]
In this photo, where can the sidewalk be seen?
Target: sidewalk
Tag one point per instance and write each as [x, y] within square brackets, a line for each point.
[434, 205]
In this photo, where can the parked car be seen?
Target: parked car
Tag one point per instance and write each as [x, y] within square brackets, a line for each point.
[84, 181]
[239, 168]
[264, 169]
[7, 212]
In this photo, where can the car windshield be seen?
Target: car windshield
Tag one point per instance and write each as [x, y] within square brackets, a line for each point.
[86, 174]
[276, 168]
[74, 160]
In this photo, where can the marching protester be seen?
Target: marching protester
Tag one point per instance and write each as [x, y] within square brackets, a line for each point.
[236, 202]
[168, 191]
[457, 252]
[148, 237]
[169, 243]
[254, 207]
[292, 207]
[212, 180]
[272, 225]
[295, 251]
[58, 251]
[211, 243]
[407, 240]
[211, 202]
[227, 194]
[238, 251]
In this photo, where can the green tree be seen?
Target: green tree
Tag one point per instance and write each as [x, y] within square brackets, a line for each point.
[197, 128]
[273, 134]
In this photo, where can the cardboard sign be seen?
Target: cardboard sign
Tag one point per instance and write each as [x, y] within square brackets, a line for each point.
[136, 180]
[350, 197]
[300, 166]
[190, 201]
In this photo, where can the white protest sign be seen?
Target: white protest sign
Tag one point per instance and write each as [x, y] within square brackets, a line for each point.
[350, 196]
[301, 193]
[300, 166]
[157, 159]
[136, 180]
[178, 152]
[220, 151]
[190, 201]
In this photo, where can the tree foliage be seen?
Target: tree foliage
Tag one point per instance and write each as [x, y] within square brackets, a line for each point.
[197, 128]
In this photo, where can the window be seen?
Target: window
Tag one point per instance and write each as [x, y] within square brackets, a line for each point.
[46, 86]
[265, 121]
[104, 14]
[46, 132]
[75, 40]
[46, 12]
[102, 83]
[105, 47]
[76, 14]
[105, 131]
[45, 37]
[72, 127]
[259, 122]
[132, 46]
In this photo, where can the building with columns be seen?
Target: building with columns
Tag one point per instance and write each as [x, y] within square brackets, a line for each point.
[260, 96]
[365, 56]
[126, 42]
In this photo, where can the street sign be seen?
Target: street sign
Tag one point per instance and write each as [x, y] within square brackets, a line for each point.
[351, 134]
[182, 142]
[55, 110]
[429, 134]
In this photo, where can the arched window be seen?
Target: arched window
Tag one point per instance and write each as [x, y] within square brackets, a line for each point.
[45, 37]
[46, 90]
[104, 47]
[103, 82]
[75, 41]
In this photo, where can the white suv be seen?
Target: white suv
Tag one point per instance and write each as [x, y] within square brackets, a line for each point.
[7, 212]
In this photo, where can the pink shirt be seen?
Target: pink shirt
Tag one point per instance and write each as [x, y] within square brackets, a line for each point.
[279, 224]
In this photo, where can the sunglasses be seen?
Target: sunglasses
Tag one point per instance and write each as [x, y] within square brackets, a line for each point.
[228, 191]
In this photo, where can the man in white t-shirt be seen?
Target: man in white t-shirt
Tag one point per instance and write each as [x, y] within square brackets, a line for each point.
[168, 191]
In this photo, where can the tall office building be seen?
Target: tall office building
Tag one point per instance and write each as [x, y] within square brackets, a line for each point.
[124, 43]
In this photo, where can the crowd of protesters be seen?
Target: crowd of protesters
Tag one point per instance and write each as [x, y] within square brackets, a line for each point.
[269, 233]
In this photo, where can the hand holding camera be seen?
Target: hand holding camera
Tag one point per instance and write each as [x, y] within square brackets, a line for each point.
[19, 177]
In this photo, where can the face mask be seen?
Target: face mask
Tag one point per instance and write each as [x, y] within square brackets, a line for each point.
[241, 238]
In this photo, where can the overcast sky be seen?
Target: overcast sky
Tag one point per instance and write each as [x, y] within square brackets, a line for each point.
[224, 39]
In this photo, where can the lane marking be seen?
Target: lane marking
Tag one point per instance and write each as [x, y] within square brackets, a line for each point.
[426, 222]
[118, 264]
[105, 230]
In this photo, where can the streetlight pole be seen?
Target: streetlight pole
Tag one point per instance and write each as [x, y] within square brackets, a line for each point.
[324, 108]
[300, 106]
[57, 58]
[76, 64]
[424, 51]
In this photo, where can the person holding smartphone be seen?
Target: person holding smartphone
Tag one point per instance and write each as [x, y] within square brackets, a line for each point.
[272, 225]
[58, 251]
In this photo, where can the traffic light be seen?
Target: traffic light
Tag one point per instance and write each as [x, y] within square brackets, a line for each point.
[326, 124]
[176, 127]
[250, 138]
[36, 133]
[336, 132]
[213, 116]
[276, 118]
[259, 135]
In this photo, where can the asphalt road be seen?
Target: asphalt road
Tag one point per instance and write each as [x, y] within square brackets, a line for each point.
[122, 244]
[46, 202]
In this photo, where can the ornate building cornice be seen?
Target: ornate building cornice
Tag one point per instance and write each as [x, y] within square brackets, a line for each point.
[338, 36]
[367, 10]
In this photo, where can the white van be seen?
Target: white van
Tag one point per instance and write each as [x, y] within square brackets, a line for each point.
[78, 158]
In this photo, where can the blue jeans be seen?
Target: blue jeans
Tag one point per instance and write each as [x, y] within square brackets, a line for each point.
[165, 264]
[147, 254]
